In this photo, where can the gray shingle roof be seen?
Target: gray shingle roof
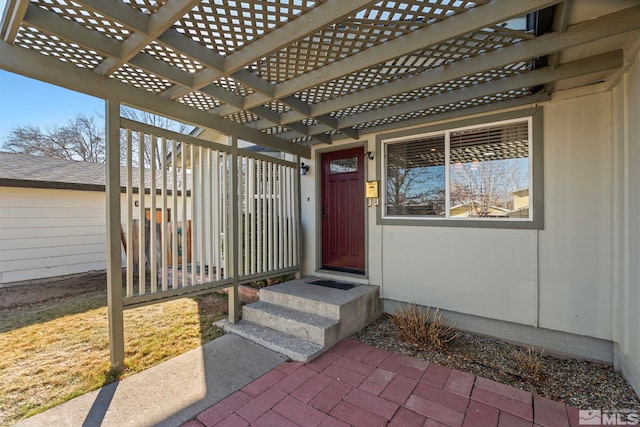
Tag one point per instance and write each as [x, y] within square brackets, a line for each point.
[25, 170]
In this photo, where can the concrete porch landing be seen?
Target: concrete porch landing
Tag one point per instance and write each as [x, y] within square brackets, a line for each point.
[303, 320]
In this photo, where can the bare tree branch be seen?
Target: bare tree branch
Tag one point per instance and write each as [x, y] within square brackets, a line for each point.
[157, 121]
[79, 139]
[481, 187]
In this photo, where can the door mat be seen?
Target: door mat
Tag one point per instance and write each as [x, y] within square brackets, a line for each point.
[328, 283]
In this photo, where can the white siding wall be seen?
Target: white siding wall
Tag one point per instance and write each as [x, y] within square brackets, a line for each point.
[626, 297]
[47, 233]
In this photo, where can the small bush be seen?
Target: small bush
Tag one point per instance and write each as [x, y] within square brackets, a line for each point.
[422, 329]
[529, 361]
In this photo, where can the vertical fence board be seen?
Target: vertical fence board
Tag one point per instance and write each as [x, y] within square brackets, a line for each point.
[184, 254]
[215, 208]
[224, 205]
[131, 249]
[153, 244]
[141, 217]
[201, 214]
[251, 202]
[174, 222]
[198, 240]
[192, 238]
[281, 250]
[165, 219]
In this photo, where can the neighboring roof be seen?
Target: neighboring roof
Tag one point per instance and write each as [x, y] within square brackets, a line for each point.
[293, 73]
[261, 149]
[25, 170]
[464, 205]
[521, 193]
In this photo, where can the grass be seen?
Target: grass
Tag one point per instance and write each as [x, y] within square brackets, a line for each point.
[59, 349]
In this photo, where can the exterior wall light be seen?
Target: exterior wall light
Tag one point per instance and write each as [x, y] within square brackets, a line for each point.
[304, 169]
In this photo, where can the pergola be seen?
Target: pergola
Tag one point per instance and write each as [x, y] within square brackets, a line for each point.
[290, 74]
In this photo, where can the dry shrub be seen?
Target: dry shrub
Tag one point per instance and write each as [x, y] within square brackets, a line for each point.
[529, 361]
[422, 329]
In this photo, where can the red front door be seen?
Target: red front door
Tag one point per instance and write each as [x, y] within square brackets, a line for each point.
[343, 210]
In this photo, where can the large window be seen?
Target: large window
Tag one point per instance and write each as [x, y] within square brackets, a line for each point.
[473, 174]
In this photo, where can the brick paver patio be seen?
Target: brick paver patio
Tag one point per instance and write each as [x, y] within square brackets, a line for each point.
[359, 385]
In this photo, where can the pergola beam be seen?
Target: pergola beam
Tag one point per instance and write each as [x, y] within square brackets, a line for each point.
[159, 22]
[604, 62]
[131, 18]
[52, 23]
[325, 14]
[14, 12]
[616, 23]
[561, 25]
[162, 69]
[480, 109]
[193, 49]
[439, 32]
[35, 65]
[215, 63]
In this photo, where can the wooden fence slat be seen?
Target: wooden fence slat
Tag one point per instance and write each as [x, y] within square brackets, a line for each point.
[164, 254]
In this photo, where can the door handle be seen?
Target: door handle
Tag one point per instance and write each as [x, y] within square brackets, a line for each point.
[324, 211]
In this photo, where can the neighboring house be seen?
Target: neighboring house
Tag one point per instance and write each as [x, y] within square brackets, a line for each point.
[464, 210]
[52, 217]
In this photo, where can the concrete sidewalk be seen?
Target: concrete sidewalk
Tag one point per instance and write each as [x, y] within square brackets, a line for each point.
[170, 393]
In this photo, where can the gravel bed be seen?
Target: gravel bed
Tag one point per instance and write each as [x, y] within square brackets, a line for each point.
[579, 383]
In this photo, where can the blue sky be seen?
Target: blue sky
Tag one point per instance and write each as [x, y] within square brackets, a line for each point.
[28, 101]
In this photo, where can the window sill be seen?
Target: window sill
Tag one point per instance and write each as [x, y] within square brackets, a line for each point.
[463, 223]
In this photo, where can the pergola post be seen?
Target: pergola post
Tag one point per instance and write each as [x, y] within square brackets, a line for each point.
[298, 207]
[234, 301]
[114, 254]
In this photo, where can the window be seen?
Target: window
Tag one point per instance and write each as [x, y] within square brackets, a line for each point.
[343, 165]
[467, 175]
[415, 183]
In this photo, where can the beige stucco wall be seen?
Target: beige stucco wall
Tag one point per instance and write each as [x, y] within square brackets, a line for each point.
[626, 275]
[580, 275]
[557, 278]
[575, 246]
[472, 271]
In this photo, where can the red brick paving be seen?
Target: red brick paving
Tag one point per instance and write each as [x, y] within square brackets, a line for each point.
[354, 384]
[399, 389]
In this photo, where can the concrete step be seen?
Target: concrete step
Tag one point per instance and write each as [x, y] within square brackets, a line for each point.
[308, 326]
[354, 308]
[302, 320]
[294, 348]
